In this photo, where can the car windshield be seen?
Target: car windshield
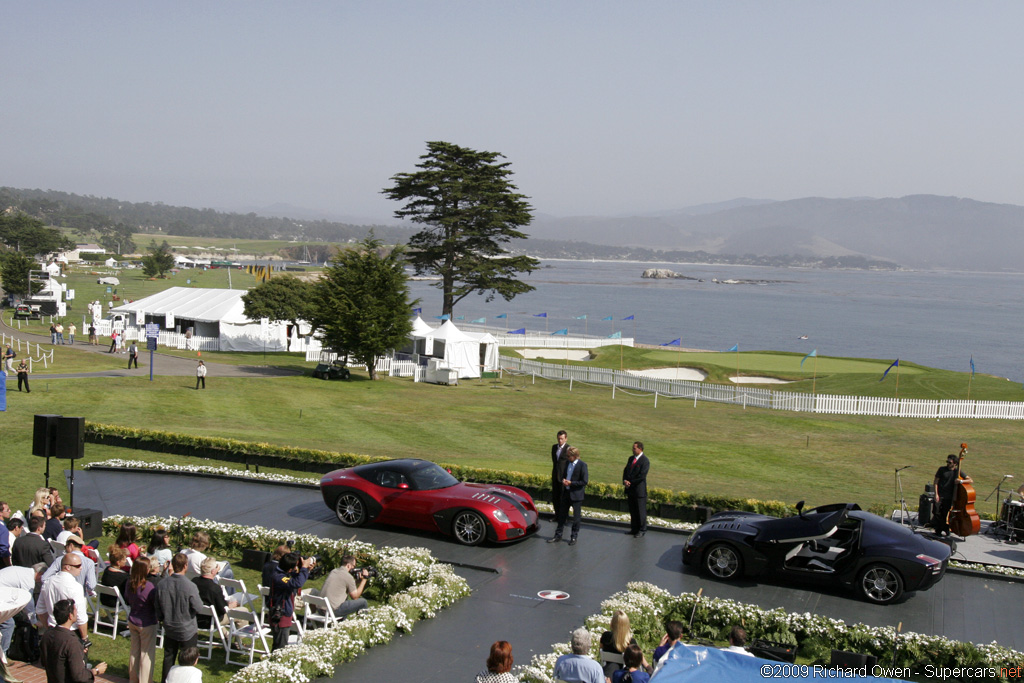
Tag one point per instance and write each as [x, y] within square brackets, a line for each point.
[430, 477]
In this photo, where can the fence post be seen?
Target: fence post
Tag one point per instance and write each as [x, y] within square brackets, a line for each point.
[613, 391]
[570, 385]
[534, 376]
[655, 399]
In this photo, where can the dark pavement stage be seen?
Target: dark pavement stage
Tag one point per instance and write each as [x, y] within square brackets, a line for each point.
[504, 603]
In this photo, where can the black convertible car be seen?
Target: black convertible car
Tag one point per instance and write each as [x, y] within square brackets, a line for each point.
[837, 544]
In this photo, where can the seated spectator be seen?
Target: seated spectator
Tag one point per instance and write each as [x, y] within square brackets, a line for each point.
[160, 548]
[55, 524]
[15, 528]
[41, 501]
[186, 670]
[55, 496]
[632, 672]
[617, 640]
[62, 653]
[499, 665]
[126, 540]
[579, 666]
[211, 593]
[157, 571]
[196, 553]
[73, 527]
[673, 632]
[342, 592]
[115, 575]
[86, 577]
[738, 641]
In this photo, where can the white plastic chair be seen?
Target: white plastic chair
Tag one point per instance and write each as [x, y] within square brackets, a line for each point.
[325, 616]
[210, 637]
[245, 625]
[244, 597]
[120, 608]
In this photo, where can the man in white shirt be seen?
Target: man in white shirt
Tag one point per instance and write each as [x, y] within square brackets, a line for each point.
[64, 586]
[737, 641]
[24, 578]
[579, 666]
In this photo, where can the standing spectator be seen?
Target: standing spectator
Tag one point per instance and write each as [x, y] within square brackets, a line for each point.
[186, 671]
[113, 341]
[26, 579]
[62, 652]
[201, 374]
[340, 588]
[32, 548]
[142, 622]
[634, 479]
[9, 355]
[5, 535]
[579, 666]
[15, 527]
[574, 481]
[270, 566]
[53, 334]
[71, 333]
[92, 336]
[177, 601]
[60, 332]
[23, 376]
[64, 586]
[133, 356]
[557, 462]
[499, 665]
[292, 572]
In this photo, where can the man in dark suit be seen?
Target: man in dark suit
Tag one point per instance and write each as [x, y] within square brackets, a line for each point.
[32, 548]
[557, 459]
[574, 480]
[61, 650]
[634, 478]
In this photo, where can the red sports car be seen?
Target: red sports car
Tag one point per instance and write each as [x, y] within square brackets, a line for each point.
[422, 495]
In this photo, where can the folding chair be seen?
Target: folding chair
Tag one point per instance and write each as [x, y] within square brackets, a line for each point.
[58, 548]
[245, 599]
[265, 601]
[207, 637]
[325, 615]
[116, 611]
[612, 658]
[245, 625]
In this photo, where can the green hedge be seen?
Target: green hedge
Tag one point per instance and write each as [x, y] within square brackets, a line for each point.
[307, 459]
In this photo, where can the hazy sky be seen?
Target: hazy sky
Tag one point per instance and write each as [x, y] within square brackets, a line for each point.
[600, 107]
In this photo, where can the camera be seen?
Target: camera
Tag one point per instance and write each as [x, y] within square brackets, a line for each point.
[317, 569]
[371, 572]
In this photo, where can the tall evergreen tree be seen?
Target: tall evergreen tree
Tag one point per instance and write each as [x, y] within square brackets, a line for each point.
[159, 260]
[470, 211]
[285, 298]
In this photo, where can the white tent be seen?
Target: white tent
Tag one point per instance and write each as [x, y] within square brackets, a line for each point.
[459, 350]
[488, 350]
[420, 328]
[110, 263]
[218, 313]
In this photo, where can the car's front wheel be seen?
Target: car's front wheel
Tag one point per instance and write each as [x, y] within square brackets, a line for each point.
[469, 528]
[350, 509]
[723, 561]
[880, 584]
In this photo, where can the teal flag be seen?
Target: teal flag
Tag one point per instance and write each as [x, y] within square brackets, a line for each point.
[812, 354]
[608, 318]
[479, 320]
[581, 317]
[503, 315]
[564, 330]
[735, 347]
[617, 335]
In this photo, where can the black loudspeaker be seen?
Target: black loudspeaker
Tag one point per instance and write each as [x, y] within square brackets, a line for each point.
[852, 660]
[91, 521]
[70, 438]
[44, 434]
[779, 652]
[254, 559]
[925, 507]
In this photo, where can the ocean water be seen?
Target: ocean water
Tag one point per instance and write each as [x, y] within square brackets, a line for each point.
[939, 319]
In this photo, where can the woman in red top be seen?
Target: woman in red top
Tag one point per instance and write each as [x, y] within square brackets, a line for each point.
[126, 540]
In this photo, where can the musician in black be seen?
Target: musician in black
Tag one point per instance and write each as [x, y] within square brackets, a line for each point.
[945, 491]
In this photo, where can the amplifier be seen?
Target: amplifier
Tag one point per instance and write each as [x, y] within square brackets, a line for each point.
[254, 559]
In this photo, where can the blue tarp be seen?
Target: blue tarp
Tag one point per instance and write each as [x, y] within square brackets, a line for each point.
[689, 663]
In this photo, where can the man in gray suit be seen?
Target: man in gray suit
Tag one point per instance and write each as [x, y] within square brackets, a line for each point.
[574, 476]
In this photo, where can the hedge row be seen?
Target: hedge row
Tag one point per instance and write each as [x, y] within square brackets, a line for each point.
[666, 503]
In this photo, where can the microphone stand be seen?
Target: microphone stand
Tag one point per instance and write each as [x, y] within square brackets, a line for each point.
[898, 493]
[1001, 524]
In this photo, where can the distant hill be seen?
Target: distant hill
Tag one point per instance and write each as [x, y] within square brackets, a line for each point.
[918, 231]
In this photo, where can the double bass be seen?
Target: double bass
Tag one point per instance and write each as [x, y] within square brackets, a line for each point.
[963, 520]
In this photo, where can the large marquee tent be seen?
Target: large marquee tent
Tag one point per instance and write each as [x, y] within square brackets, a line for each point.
[467, 353]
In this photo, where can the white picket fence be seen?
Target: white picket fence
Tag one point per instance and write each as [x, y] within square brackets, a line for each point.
[769, 398]
[24, 351]
[384, 364]
[534, 341]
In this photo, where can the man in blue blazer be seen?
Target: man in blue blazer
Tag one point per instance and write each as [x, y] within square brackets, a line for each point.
[574, 481]
[634, 479]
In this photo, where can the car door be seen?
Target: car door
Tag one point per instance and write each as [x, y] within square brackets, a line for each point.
[401, 504]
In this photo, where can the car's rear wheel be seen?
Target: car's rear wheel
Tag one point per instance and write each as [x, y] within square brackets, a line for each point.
[350, 509]
[880, 584]
[723, 561]
[469, 528]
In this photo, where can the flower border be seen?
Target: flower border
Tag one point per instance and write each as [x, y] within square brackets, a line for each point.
[416, 584]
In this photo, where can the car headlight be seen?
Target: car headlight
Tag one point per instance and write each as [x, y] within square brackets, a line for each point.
[500, 516]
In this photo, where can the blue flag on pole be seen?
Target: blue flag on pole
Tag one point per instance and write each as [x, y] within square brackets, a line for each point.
[735, 347]
[417, 311]
[479, 320]
[608, 318]
[674, 342]
[895, 364]
[503, 315]
[812, 354]
[972, 366]
[460, 317]
[628, 317]
[540, 315]
[564, 330]
[521, 330]
[581, 317]
[617, 335]
[442, 317]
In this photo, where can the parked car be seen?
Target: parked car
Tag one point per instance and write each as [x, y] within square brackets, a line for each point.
[419, 494]
[331, 371]
[837, 544]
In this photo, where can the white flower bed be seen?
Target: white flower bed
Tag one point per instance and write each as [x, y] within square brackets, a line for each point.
[417, 587]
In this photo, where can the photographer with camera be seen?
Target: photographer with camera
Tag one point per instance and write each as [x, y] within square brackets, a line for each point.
[340, 588]
[291, 574]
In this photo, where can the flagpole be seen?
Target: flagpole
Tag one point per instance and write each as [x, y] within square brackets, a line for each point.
[678, 355]
[897, 379]
[814, 380]
[737, 363]
[969, 386]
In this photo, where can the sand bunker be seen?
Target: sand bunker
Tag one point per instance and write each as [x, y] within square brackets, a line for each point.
[556, 354]
[689, 374]
[757, 380]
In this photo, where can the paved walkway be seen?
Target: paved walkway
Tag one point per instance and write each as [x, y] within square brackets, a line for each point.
[33, 673]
